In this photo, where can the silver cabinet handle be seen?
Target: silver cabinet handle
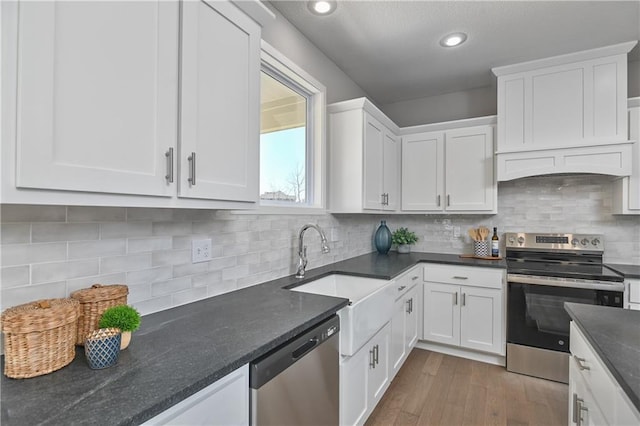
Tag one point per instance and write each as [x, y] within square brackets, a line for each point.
[169, 175]
[414, 278]
[458, 277]
[408, 310]
[402, 287]
[581, 408]
[411, 305]
[455, 298]
[192, 168]
[382, 196]
[580, 362]
[372, 357]
[448, 200]
[438, 200]
[464, 299]
[576, 409]
[376, 354]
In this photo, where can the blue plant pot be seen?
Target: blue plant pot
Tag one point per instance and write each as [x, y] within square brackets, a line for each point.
[102, 348]
[382, 238]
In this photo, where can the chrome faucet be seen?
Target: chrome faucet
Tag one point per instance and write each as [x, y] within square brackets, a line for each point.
[302, 249]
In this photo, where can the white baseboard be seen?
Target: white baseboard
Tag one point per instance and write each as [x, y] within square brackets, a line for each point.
[462, 353]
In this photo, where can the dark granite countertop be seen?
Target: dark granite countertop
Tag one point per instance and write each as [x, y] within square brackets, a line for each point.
[629, 271]
[179, 351]
[614, 333]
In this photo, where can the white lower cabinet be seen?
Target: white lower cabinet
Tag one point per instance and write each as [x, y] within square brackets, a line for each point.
[595, 397]
[364, 377]
[464, 306]
[224, 403]
[405, 320]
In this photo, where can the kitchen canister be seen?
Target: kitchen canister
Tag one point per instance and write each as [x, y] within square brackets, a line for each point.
[102, 347]
[382, 238]
[481, 248]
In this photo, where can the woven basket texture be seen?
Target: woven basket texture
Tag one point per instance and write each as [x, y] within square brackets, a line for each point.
[102, 347]
[39, 337]
[93, 302]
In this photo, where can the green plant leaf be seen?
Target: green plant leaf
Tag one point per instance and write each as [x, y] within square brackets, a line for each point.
[123, 317]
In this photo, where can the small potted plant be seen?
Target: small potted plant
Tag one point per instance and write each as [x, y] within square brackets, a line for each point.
[403, 238]
[124, 317]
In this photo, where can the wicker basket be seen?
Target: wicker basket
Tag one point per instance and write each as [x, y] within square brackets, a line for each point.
[39, 337]
[93, 302]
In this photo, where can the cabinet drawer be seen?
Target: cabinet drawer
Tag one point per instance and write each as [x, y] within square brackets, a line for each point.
[464, 275]
[592, 369]
[407, 281]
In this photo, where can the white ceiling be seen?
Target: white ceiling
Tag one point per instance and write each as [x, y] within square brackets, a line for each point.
[391, 48]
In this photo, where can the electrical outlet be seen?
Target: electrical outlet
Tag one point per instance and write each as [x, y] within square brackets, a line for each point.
[200, 250]
[456, 232]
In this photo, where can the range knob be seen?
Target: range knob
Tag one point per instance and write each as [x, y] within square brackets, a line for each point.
[575, 242]
[584, 242]
[521, 240]
[512, 239]
[595, 242]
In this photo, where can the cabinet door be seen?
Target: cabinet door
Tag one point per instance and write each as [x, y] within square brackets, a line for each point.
[583, 410]
[378, 379]
[374, 135]
[469, 169]
[422, 172]
[412, 319]
[225, 402]
[220, 103]
[441, 311]
[353, 387]
[97, 96]
[398, 349]
[391, 170]
[634, 179]
[481, 319]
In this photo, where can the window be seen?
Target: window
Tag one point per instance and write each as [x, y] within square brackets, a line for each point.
[292, 125]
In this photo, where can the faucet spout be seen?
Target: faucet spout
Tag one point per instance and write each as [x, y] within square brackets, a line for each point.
[302, 249]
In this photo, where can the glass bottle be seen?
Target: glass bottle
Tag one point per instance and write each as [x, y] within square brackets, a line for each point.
[495, 244]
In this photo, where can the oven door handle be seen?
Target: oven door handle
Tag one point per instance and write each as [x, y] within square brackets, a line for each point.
[558, 282]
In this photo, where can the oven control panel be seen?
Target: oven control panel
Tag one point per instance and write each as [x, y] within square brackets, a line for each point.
[572, 242]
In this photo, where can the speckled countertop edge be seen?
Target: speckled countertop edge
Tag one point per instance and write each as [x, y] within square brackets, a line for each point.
[628, 271]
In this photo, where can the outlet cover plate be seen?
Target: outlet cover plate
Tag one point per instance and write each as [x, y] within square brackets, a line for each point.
[200, 250]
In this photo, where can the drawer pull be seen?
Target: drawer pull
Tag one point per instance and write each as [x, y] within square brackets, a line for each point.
[414, 278]
[457, 277]
[402, 287]
[580, 362]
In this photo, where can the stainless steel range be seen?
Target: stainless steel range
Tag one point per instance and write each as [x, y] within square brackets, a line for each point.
[543, 272]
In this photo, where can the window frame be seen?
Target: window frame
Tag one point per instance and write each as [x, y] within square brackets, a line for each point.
[281, 68]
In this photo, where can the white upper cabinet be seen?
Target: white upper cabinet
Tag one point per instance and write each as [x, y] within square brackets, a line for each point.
[364, 158]
[220, 103]
[97, 89]
[626, 192]
[110, 101]
[564, 114]
[449, 170]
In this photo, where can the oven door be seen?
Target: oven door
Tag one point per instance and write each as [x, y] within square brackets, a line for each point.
[536, 315]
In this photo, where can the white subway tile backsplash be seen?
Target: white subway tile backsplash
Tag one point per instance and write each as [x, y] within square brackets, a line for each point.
[24, 294]
[15, 233]
[49, 232]
[14, 276]
[150, 249]
[25, 213]
[23, 254]
[59, 271]
[98, 248]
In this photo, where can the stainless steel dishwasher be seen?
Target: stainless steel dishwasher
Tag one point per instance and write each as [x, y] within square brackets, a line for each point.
[298, 382]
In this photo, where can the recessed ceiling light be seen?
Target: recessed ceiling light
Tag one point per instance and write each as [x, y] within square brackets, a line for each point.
[452, 40]
[322, 7]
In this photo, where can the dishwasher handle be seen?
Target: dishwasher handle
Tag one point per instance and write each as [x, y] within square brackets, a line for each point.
[303, 349]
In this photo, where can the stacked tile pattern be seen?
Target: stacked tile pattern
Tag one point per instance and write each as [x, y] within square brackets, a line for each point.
[50, 251]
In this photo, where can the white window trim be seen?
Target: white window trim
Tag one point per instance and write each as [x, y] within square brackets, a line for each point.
[318, 91]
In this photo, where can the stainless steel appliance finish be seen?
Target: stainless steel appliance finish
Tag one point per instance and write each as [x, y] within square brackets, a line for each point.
[543, 272]
[298, 383]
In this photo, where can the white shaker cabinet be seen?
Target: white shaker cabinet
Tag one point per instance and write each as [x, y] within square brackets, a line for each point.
[449, 170]
[626, 191]
[405, 320]
[131, 103]
[364, 377]
[632, 293]
[364, 159]
[97, 84]
[220, 103]
[464, 306]
[224, 403]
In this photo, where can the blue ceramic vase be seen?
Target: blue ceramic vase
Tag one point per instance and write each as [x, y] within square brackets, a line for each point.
[382, 238]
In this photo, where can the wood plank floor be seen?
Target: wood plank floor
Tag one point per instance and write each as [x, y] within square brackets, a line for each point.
[438, 389]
